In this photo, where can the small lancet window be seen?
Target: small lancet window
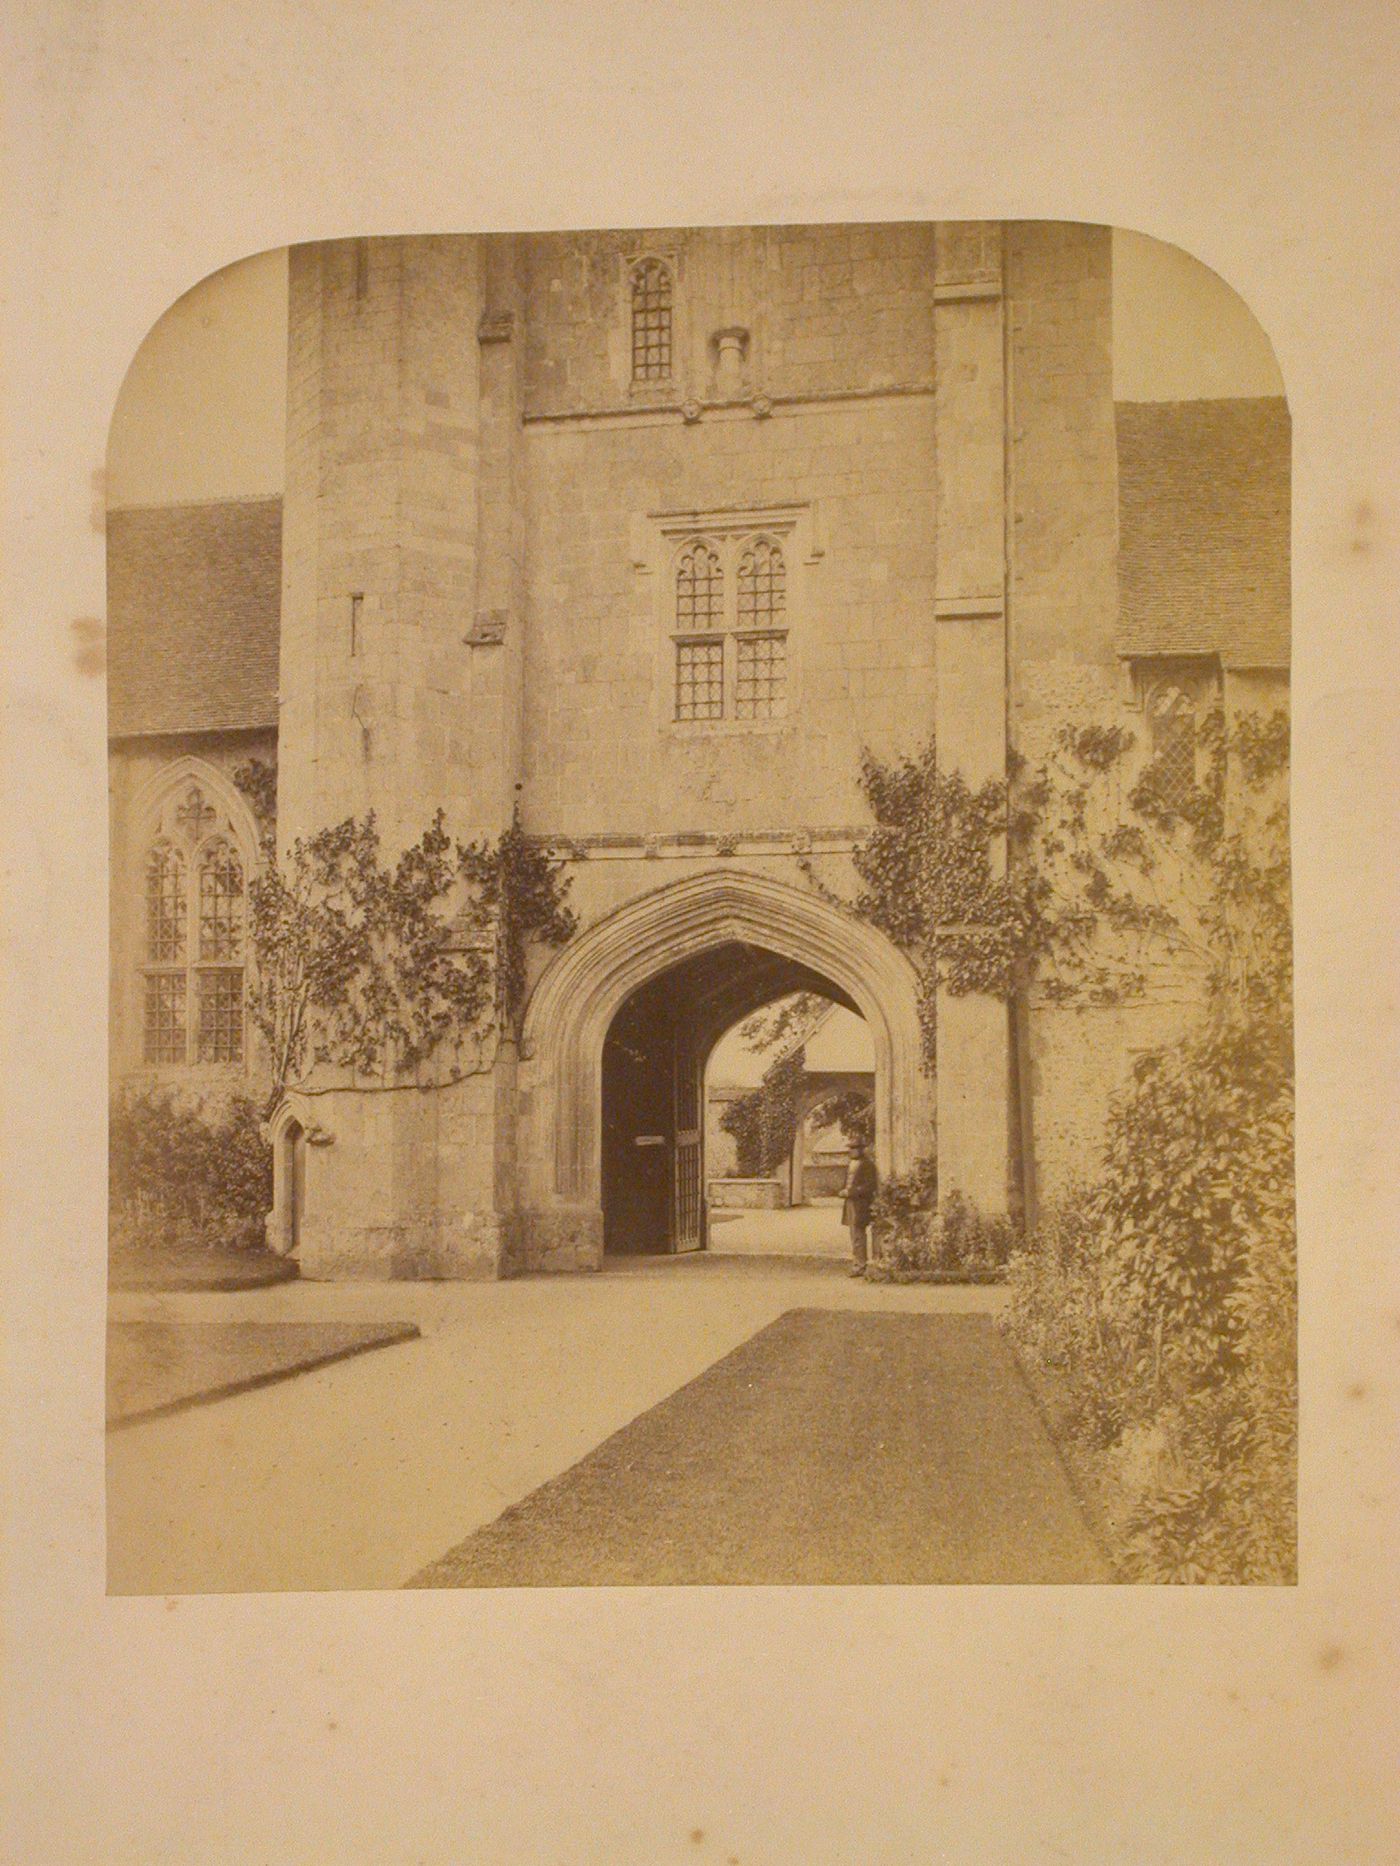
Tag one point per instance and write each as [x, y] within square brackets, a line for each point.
[1172, 726]
[651, 321]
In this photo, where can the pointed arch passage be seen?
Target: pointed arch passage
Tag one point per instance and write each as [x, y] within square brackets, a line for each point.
[574, 1004]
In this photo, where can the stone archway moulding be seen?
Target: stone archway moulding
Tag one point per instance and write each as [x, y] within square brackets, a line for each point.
[578, 996]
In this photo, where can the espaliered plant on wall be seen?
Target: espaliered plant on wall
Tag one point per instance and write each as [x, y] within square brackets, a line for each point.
[378, 968]
[1146, 880]
[929, 879]
[1082, 879]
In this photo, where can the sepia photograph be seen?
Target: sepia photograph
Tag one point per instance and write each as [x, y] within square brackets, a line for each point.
[699, 1008]
[700, 921]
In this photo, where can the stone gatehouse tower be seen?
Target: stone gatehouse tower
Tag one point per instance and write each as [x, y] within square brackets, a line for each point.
[645, 536]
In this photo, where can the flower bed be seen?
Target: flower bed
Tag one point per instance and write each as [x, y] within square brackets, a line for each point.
[916, 1240]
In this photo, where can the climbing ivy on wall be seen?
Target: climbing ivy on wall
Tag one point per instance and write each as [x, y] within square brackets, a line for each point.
[257, 779]
[1084, 876]
[851, 1110]
[764, 1121]
[375, 966]
[1145, 881]
[789, 1020]
[515, 888]
[928, 879]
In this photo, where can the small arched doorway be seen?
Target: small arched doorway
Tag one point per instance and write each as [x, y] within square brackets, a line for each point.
[288, 1217]
[839, 1108]
[295, 1143]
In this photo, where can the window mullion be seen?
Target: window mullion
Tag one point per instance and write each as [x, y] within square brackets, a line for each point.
[731, 623]
[191, 964]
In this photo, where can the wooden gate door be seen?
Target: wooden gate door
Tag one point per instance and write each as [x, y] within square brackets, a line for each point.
[688, 1206]
[296, 1191]
[638, 1090]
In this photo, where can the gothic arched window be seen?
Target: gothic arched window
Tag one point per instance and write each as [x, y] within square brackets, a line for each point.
[192, 964]
[651, 321]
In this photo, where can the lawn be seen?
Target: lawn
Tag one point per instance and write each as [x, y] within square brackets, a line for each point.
[161, 1367]
[832, 1447]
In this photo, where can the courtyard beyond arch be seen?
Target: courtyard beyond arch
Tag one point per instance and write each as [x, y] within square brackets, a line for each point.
[727, 940]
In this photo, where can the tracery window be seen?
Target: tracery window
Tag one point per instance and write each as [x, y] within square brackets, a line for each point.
[651, 321]
[192, 970]
[730, 632]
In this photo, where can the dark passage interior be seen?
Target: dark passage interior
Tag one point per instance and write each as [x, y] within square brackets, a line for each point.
[653, 1074]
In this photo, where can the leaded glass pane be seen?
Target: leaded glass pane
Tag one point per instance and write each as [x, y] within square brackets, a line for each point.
[165, 905]
[700, 679]
[699, 590]
[219, 1037]
[761, 692]
[651, 322]
[1173, 724]
[164, 1017]
[220, 904]
[762, 586]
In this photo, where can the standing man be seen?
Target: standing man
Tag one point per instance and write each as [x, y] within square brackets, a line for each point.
[862, 1183]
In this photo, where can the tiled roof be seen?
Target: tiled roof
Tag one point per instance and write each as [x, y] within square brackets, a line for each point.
[1203, 545]
[194, 595]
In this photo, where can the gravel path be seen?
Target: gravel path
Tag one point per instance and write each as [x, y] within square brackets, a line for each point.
[831, 1447]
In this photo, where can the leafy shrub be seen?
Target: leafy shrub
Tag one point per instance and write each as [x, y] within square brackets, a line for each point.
[968, 1239]
[1164, 1301]
[1059, 1315]
[904, 1209]
[176, 1177]
[915, 1239]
